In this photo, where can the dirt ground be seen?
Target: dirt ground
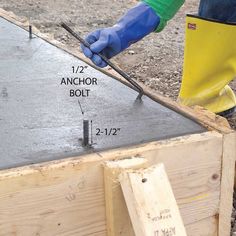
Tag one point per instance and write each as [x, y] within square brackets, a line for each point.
[156, 60]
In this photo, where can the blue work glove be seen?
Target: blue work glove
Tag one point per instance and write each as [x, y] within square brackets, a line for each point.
[136, 24]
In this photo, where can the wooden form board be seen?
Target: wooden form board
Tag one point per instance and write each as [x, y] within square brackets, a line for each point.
[227, 183]
[67, 197]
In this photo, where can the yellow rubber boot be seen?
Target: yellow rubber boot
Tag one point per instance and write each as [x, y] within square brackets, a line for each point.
[209, 64]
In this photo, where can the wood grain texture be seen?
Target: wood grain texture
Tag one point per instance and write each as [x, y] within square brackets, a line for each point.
[67, 197]
[117, 216]
[205, 227]
[151, 203]
[227, 183]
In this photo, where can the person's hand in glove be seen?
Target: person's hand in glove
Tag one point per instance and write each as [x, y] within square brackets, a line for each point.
[146, 17]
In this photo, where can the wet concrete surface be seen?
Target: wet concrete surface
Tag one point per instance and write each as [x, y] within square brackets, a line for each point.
[40, 121]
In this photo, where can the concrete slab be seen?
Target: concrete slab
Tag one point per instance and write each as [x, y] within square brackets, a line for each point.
[40, 121]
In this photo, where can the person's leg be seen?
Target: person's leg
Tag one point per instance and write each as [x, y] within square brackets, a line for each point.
[221, 10]
[209, 63]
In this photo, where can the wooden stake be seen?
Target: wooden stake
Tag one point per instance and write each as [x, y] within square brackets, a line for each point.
[151, 203]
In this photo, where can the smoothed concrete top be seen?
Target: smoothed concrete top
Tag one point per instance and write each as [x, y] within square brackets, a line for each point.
[39, 121]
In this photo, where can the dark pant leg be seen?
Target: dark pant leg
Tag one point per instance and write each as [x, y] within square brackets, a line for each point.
[221, 10]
